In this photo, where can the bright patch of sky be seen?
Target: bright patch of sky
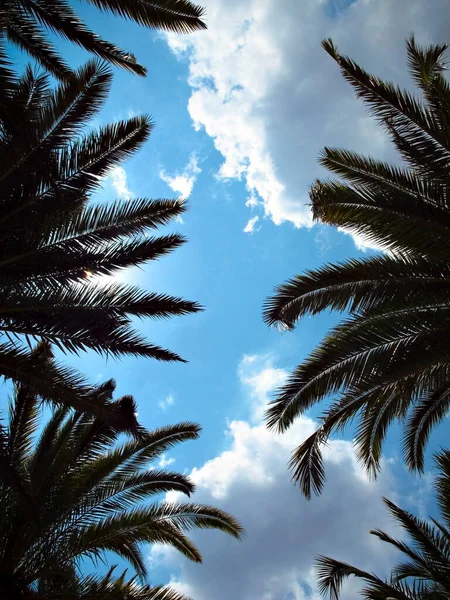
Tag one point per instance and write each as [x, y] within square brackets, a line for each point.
[241, 113]
[118, 178]
[168, 401]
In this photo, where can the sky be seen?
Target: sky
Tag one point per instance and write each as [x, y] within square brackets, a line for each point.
[241, 113]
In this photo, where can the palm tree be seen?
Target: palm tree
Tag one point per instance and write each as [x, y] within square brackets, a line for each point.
[105, 587]
[25, 23]
[389, 357]
[77, 490]
[426, 572]
[55, 247]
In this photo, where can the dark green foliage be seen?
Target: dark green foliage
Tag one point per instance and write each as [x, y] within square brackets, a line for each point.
[26, 23]
[389, 358]
[425, 573]
[77, 490]
[55, 246]
[104, 588]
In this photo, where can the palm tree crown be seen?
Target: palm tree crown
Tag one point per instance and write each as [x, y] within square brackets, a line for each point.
[389, 357]
[76, 490]
[25, 23]
[425, 575]
[55, 247]
[102, 587]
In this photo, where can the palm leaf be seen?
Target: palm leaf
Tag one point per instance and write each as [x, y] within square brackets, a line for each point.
[182, 16]
[24, 33]
[51, 260]
[91, 492]
[25, 22]
[387, 359]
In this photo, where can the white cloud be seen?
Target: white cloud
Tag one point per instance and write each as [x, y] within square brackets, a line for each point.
[165, 462]
[260, 378]
[270, 98]
[250, 227]
[168, 401]
[284, 532]
[118, 177]
[183, 182]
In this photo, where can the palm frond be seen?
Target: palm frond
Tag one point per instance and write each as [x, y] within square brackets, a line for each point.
[416, 132]
[429, 411]
[356, 286]
[8, 80]
[89, 493]
[388, 220]
[94, 587]
[22, 424]
[43, 376]
[386, 360]
[443, 484]
[115, 219]
[60, 18]
[26, 23]
[22, 31]
[51, 260]
[181, 16]
[332, 574]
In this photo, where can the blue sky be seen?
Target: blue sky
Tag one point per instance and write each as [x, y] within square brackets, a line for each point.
[241, 113]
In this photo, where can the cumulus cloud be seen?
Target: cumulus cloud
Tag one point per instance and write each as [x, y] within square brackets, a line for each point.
[271, 98]
[183, 182]
[168, 401]
[284, 531]
[118, 178]
[250, 227]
